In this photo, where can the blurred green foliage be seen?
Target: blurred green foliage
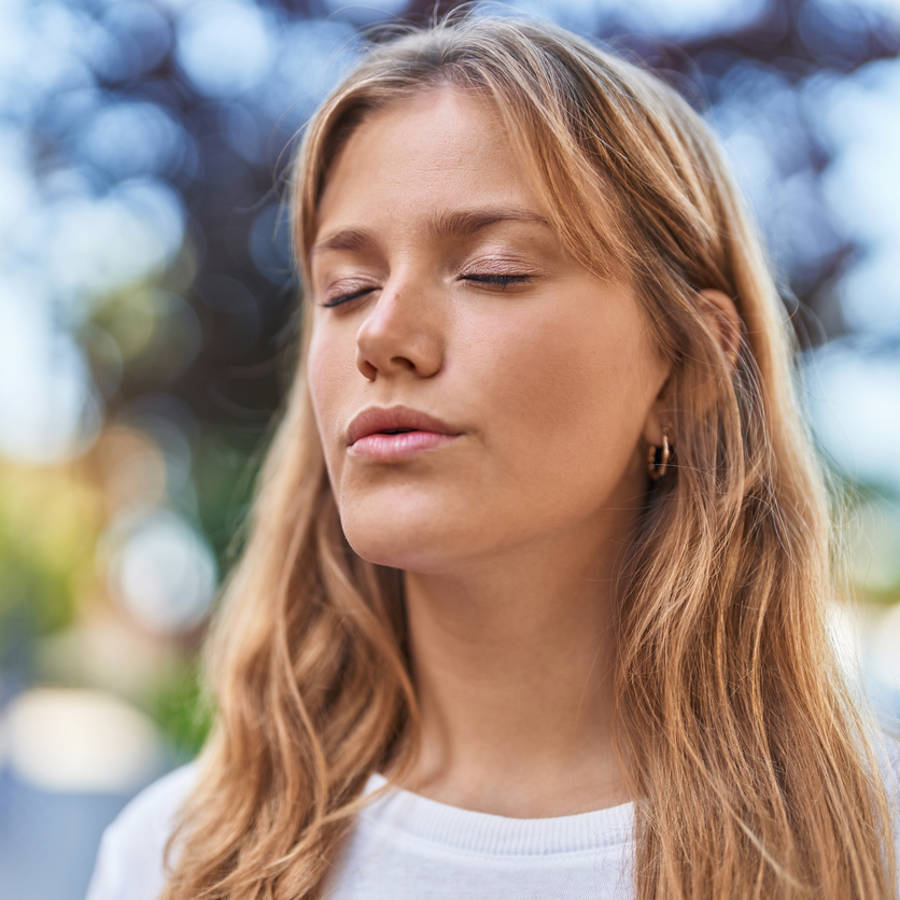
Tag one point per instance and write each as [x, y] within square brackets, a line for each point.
[176, 703]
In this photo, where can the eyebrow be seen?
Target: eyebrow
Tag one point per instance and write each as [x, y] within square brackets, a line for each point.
[452, 223]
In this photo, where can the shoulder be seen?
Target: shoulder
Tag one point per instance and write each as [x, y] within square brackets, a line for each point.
[157, 803]
[131, 848]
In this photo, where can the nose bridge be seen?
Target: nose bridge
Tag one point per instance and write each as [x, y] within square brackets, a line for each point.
[402, 329]
[394, 305]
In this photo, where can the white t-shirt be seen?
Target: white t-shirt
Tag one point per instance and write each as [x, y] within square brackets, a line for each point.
[406, 847]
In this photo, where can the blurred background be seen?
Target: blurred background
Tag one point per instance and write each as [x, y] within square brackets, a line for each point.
[148, 322]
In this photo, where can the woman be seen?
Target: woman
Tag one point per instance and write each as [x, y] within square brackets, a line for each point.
[532, 603]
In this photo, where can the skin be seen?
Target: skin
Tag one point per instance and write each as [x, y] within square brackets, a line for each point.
[510, 536]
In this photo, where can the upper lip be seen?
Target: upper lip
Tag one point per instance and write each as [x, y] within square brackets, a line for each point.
[375, 419]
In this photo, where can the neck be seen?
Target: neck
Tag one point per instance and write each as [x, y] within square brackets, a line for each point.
[513, 662]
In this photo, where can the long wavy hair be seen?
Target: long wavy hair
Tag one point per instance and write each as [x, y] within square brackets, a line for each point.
[749, 758]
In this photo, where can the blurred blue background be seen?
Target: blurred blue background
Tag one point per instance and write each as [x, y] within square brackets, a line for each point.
[148, 318]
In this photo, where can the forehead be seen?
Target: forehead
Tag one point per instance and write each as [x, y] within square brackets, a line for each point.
[443, 147]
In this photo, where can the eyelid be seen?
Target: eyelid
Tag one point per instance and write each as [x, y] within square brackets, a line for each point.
[500, 264]
[347, 296]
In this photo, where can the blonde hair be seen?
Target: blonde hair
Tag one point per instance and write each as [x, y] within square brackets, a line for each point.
[748, 756]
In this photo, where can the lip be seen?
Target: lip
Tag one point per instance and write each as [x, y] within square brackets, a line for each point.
[389, 447]
[375, 419]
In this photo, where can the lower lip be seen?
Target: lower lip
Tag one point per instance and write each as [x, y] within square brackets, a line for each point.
[398, 446]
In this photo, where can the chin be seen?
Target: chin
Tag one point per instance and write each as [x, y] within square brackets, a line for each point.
[405, 542]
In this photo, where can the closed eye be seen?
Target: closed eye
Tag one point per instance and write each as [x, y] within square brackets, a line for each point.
[500, 280]
[491, 279]
[343, 298]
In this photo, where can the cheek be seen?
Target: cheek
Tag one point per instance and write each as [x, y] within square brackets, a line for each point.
[571, 377]
[571, 396]
[324, 377]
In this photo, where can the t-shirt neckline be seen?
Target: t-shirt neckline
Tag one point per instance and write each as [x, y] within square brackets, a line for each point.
[477, 832]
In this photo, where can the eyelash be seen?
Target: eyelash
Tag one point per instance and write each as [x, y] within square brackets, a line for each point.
[501, 281]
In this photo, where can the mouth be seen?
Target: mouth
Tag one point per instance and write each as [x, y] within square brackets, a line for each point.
[397, 432]
[396, 420]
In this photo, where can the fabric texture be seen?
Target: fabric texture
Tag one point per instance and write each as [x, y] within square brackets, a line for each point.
[407, 847]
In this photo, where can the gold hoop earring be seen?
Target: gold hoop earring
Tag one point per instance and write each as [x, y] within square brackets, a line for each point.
[657, 468]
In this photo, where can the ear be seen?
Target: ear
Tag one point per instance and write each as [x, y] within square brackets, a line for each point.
[724, 319]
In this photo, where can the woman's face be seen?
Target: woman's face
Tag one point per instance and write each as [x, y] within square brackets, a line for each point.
[465, 306]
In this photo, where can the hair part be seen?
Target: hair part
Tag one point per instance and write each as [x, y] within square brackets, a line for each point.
[749, 760]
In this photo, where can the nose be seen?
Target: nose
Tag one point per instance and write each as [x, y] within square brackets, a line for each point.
[401, 332]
